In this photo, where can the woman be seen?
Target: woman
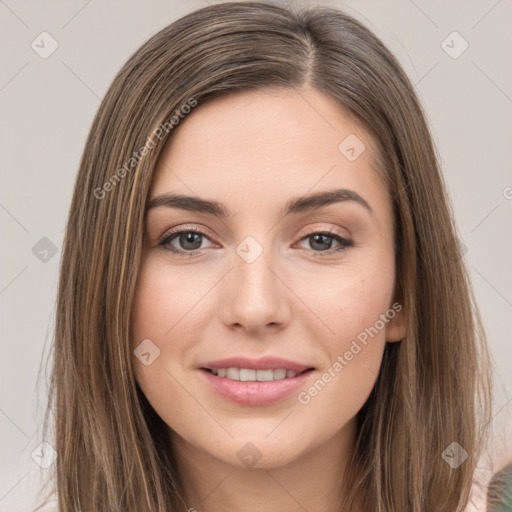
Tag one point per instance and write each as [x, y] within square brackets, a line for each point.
[262, 303]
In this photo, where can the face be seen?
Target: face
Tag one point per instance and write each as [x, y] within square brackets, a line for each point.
[265, 283]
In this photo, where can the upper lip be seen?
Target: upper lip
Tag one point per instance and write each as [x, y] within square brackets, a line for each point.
[263, 363]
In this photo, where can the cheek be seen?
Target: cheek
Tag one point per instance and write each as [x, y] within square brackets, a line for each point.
[163, 305]
[354, 355]
[354, 301]
[354, 306]
[170, 308]
[160, 312]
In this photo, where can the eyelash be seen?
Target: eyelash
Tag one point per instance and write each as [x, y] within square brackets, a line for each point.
[345, 243]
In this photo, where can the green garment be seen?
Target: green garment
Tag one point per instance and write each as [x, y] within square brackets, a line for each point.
[500, 491]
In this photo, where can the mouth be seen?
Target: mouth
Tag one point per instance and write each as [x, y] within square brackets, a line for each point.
[255, 382]
[251, 375]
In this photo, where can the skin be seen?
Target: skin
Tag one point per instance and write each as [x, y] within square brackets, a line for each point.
[253, 152]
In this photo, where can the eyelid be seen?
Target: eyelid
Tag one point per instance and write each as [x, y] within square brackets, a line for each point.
[324, 229]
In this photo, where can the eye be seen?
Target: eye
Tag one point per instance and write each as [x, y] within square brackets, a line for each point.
[321, 242]
[189, 241]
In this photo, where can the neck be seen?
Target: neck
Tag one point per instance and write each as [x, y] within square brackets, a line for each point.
[313, 481]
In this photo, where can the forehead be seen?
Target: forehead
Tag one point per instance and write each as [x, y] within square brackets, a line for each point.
[263, 146]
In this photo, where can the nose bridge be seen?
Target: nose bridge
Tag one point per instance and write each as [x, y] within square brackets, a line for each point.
[251, 268]
[256, 298]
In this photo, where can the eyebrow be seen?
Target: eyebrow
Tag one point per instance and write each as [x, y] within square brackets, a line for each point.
[294, 206]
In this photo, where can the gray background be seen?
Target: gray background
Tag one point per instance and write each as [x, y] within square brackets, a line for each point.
[47, 106]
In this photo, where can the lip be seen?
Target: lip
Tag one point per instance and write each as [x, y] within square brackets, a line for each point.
[255, 393]
[263, 363]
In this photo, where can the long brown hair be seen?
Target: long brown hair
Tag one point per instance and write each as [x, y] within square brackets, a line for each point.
[433, 388]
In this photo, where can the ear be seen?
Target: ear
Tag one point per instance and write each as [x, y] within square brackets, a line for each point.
[396, 328]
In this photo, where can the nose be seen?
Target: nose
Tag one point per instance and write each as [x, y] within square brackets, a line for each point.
[257, 300]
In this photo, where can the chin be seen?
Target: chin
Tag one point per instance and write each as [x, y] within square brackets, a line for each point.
[259, 452]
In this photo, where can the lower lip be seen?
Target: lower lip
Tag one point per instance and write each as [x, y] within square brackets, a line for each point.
[255, 393]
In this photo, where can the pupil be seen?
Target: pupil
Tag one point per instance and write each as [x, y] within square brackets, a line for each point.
[322, 237]
[189, 238]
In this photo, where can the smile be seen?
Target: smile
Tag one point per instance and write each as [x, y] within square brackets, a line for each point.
[251, 375]
[255, 382]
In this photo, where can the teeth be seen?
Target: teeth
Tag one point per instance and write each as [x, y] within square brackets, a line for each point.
[264, 375]
[249, 375]
[279, 374]
[246, 375]
[233, 374]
